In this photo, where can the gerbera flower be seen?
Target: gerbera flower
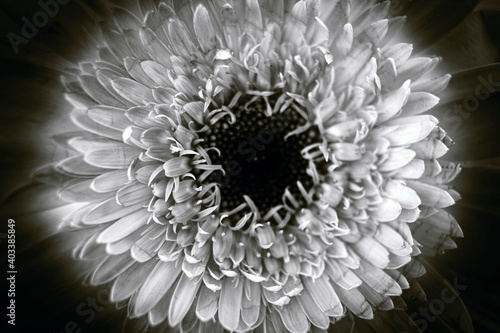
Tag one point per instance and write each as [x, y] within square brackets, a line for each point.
[256, 166]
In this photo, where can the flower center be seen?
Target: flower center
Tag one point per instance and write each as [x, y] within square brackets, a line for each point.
[258, 161]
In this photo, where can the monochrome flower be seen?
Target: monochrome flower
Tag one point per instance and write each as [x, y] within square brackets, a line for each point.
[256, 165]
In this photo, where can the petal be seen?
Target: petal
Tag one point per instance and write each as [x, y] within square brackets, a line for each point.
[387, 210]
[293, 317]
[207, 304]
[379, 301]
[129, 281]
[132, 194]
[397, 159]
[429, 149]
[251, 302]
[392, 240]
[83, 120]
[160, 280]
[446, 222]
[108, 211]
[203, 29]
[322, 293]
[434, 86]
[110, 268]
[314, 314]
[133, 91]
[148, 245]
[355, 302]
[231, 27]
[157, 72]
[378, 280]
[124, 227]
[135, 70]
[431, 196]
[125, 19]
[125, 244]
[112, 158]
[372, 251]
[413, 170]
[410, 133]
[81, 191]
[342, 276]
[419, 102]
[105, 76]
[407, 197]
[253, 18]
[230, 302]
[95, 90]
[392, 102]
[182, 299]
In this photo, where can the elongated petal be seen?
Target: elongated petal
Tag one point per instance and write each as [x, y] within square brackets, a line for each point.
[429, 149]
[203, 28]
[129, 281]
[125, 244]
[293, 317]
[317, 317]
[132, 91]
[132, 194]
[112, 158]
[156, 285]
[182, 299]
[410, 133]
[324, 295]
[230, 303]
[388, 210]
[446, 222]
[207, 304]
[110, 117]
[378, 280]
[81, 191]
[431, 196]
[108, 211]
[110, 268]
[123, 227]
[392, 240]
[250, 303]
[372, 251]
[419, 102]
[407, 197]
[355, 302]
[110, 181]
[392, 103]
[397, 159]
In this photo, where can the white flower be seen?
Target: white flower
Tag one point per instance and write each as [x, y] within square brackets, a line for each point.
[257, 165]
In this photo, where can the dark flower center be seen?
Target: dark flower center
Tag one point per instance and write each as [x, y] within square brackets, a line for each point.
[258, 161]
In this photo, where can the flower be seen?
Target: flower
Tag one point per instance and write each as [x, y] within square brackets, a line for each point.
[263, 165]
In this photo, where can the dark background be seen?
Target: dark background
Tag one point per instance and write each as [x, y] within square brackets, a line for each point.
[48, 294]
